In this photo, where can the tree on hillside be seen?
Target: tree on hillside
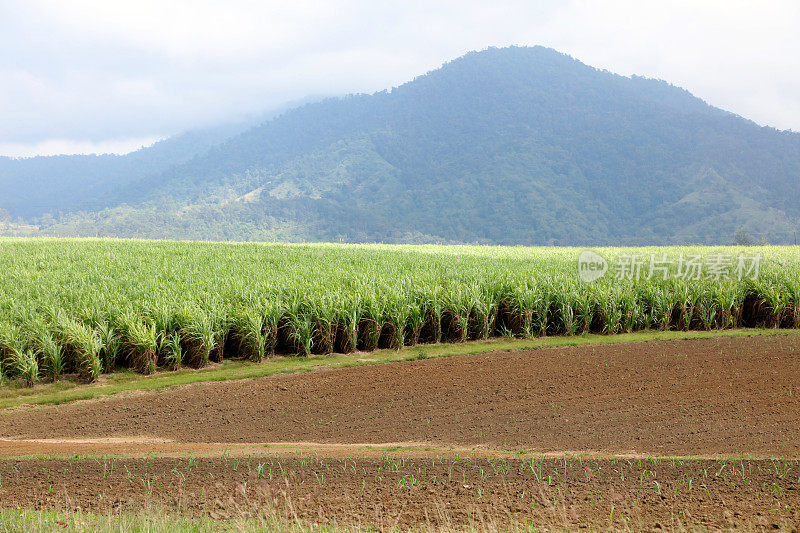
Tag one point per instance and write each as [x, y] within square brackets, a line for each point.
[742, 238]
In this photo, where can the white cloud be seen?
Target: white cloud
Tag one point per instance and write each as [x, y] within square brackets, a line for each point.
[738, 55]
[95, 70]
[70, 146]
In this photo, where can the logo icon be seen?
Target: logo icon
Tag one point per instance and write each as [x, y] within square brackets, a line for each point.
[591, 266]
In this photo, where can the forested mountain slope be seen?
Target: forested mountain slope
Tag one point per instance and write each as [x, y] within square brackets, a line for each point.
[511, 146]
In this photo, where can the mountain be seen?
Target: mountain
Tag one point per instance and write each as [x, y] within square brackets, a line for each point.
[47, 184]
[508, 146]
[66, 183]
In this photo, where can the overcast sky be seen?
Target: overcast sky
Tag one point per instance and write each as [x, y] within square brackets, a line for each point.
[89, 76]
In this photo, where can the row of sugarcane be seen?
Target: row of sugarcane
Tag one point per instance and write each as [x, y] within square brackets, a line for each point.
[46, 343]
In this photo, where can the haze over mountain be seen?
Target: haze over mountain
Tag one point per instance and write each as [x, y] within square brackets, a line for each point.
[508, 146]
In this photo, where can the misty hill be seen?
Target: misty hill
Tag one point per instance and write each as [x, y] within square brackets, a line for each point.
[66, 183]
[51, 184]
[512, 146]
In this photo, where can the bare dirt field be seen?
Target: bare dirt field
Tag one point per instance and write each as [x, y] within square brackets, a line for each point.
[491, 435]
[702, 397]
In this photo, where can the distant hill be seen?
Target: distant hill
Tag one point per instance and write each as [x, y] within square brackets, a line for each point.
[52, 184]
[67, 183]
[509, 146]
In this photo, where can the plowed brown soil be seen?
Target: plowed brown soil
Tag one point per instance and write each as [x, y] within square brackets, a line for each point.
[623, 403]
[641, 494]
[701, 397]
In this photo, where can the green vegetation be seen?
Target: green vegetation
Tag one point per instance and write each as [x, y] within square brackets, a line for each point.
[504, 146]
[88, 306]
